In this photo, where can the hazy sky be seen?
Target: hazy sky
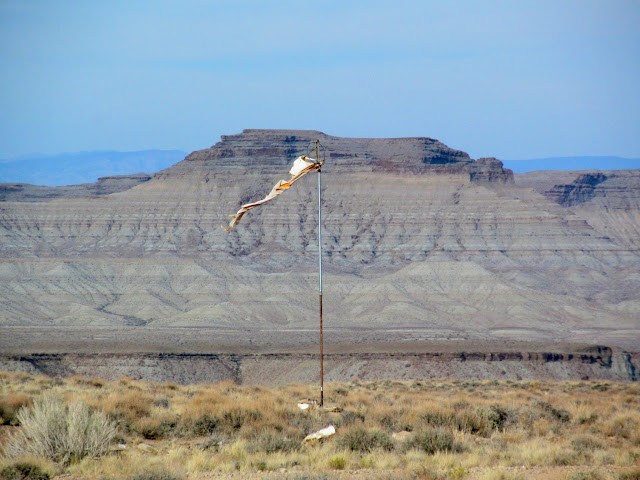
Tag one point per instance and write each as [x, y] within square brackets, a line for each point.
[511, 79]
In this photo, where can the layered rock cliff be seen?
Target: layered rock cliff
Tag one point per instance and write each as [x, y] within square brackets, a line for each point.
[24, 192]
[416, 235]
[283, 368]
[273, 151]
[608, 200]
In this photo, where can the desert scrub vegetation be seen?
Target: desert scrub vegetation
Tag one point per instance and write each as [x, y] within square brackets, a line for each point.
[63, 433]
[10, 405]
[24, 470]
[127, 429]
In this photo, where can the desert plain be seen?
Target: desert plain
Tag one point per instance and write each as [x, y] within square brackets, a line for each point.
[436, 266]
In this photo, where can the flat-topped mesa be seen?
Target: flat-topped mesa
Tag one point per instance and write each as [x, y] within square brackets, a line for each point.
[271, 151]
[24, 192]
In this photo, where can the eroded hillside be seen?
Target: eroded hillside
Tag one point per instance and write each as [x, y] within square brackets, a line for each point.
[416, 235]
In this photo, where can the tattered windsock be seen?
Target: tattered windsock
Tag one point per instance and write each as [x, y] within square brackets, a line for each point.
[301, 166]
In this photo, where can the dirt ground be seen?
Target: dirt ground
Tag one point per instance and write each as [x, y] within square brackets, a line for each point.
[21, 340]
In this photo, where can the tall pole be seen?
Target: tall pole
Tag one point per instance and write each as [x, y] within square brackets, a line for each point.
[320, 274]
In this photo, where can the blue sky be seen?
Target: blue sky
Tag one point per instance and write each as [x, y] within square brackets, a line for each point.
[511, 79]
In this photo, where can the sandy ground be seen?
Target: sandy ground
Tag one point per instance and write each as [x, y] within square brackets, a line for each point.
[22, 340]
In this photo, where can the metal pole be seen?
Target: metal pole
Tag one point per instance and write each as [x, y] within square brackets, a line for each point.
[320, 274]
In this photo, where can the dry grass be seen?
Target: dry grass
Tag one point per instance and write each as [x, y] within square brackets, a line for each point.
[10, 405]
[454, 429]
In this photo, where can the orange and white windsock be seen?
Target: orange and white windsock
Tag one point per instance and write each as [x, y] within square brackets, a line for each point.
[301, 166]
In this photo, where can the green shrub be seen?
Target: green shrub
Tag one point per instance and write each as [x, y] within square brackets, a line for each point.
[564, 458]
[479, 421]
[561, 414]
[60, 433]
[554, 413]
[237, 417]
[439, 418]
[361, 440]
[391, 421]
[585, 444]
[301, 421]
[154, 429]
[349, 418]
[474, 422]
[456, 472]
[204, 425]
[497, 417]
[338, 463]
[431, 440]
[23, 471]
[587, 419]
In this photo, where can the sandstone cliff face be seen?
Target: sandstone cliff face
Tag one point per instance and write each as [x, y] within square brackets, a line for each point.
[271, 151]
[416, 235]
[581, 190]
[609, 200]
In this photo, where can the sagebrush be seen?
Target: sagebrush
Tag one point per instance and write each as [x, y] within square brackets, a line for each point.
[436, 429]
[60, 432]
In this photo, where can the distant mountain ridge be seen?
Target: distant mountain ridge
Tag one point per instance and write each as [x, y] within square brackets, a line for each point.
[84, 167]
[572, 163]
[76, 168]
